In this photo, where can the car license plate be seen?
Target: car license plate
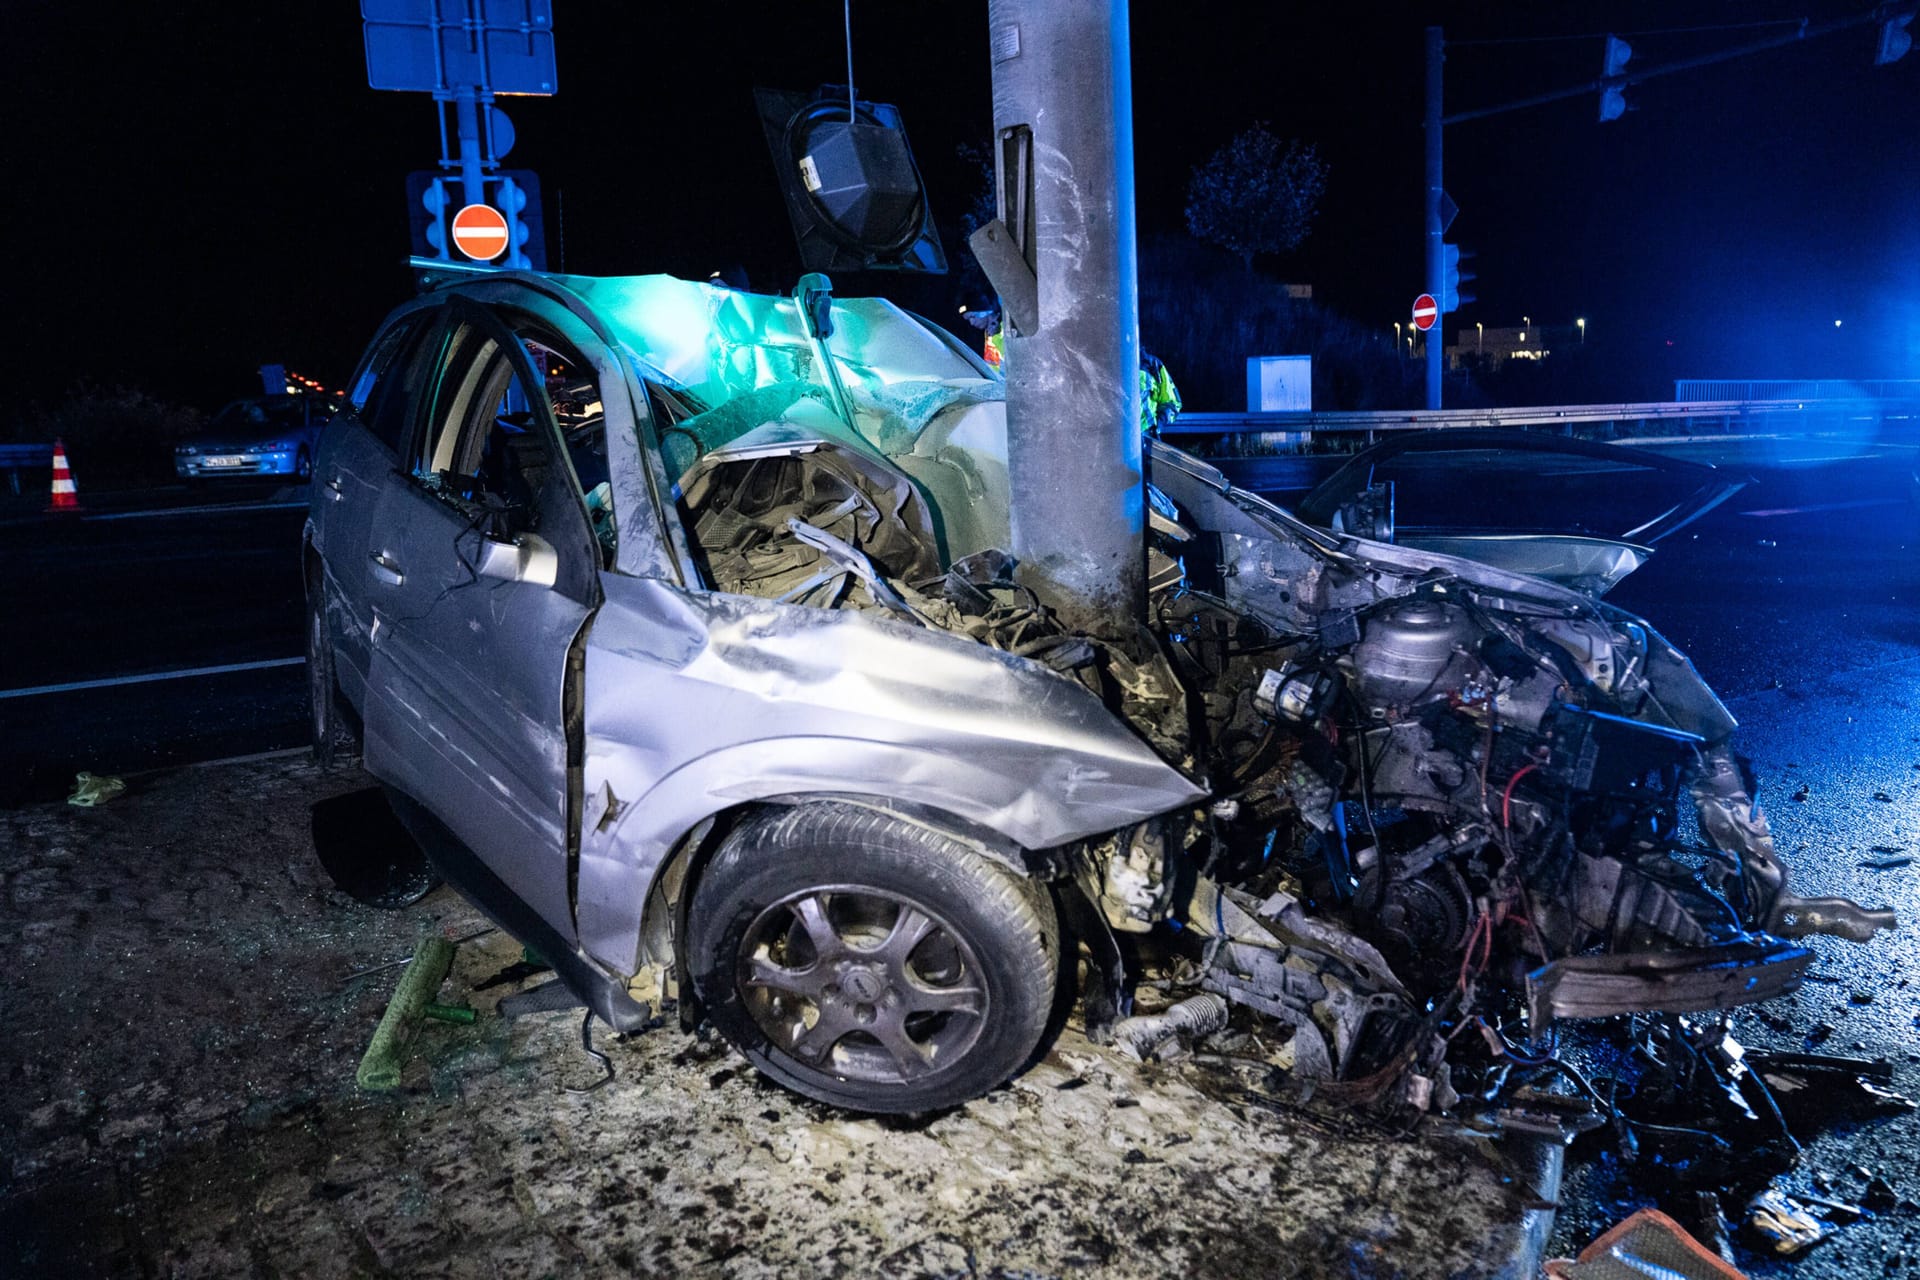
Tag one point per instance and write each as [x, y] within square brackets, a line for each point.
[224, 460]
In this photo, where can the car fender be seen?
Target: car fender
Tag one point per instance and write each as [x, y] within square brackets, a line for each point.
[697, 703]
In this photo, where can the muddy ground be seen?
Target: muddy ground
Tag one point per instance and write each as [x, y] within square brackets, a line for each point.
[181, 1033]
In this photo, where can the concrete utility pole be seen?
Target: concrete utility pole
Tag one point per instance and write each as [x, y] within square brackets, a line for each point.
[1063, 128]
[1436, 220]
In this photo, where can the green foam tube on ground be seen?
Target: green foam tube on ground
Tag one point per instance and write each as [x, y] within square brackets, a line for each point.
[387, 1052]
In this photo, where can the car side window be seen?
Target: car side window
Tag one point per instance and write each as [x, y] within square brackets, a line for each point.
[572, 393]
[390, 383]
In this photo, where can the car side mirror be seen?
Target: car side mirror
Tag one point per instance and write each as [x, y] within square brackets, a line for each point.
[525, 558]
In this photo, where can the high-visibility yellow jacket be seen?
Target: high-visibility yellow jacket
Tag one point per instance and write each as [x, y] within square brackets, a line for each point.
[1159, 398]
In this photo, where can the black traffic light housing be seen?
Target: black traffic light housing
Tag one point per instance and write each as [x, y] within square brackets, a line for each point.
[1895, 39]
[1613, 97]
[1452, 276]
[853, 192]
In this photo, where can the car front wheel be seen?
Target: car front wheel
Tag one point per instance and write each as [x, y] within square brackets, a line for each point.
[869, 962]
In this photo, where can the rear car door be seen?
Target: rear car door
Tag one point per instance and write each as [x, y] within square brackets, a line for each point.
[357, 457]
[483, 570]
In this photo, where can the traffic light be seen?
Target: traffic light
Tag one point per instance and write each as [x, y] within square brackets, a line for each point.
[1895, 40]
[1452, 277]
[1613, 97]
[511, 200]
[516, 193]
[854, 194]
[427, 205]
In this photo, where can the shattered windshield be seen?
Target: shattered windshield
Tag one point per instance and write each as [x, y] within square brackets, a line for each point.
[745, 359]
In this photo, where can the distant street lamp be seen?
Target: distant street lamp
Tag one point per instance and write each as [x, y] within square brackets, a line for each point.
[1479, 338]
[1583, 331]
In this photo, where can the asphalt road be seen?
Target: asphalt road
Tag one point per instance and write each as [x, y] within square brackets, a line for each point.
[114, 595]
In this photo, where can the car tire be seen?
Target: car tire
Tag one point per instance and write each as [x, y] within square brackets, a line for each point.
[302, 467]
[331, 731]
[869, 962]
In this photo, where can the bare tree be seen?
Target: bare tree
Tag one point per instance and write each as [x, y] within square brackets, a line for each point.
[1257, 194]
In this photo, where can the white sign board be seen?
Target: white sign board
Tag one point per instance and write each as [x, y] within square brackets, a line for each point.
[1277, 384]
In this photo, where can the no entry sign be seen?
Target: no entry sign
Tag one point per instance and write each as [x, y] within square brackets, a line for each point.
[1425, 310]
[480, 232]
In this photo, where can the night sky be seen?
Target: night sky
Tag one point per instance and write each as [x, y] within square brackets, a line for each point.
[196, 188]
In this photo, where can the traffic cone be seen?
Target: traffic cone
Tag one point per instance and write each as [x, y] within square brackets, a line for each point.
[65, 496]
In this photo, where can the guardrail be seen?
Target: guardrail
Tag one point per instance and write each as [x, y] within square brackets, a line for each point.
[1721, 416]
[16, 457]
[1796, 389]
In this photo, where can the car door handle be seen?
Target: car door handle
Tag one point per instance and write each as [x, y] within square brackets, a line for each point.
[387, 569]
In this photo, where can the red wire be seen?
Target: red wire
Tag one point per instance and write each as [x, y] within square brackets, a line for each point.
[1506, 797]
[1482, 927]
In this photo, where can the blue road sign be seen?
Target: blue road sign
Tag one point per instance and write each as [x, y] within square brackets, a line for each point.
[443, 46]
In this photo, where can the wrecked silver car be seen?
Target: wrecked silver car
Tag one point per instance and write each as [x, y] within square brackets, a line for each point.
[678, 623]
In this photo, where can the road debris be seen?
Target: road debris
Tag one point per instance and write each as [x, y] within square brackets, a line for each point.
[464, 1015]
[1190, 1020]
[1647, 1244]
[1711, 1220]
[386, 1054]
[1788, 1226]
[91, 789]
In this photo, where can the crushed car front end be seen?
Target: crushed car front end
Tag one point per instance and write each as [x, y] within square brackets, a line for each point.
[1377, 793]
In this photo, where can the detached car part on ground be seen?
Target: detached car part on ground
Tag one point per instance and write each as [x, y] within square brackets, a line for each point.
[680, 629]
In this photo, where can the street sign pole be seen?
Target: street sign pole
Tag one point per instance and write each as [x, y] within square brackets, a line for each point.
[466, 112]
[463, 52]
[1436, 218]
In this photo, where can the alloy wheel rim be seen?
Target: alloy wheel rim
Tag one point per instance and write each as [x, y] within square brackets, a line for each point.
[856, 983]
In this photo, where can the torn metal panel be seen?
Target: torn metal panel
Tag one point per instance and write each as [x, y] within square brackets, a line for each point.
[698, 702]
[1706, 978]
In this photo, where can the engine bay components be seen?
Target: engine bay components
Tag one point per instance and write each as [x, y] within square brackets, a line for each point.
[1440, 795]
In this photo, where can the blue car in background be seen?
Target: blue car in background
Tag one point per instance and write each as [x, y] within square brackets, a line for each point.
[261, 436]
